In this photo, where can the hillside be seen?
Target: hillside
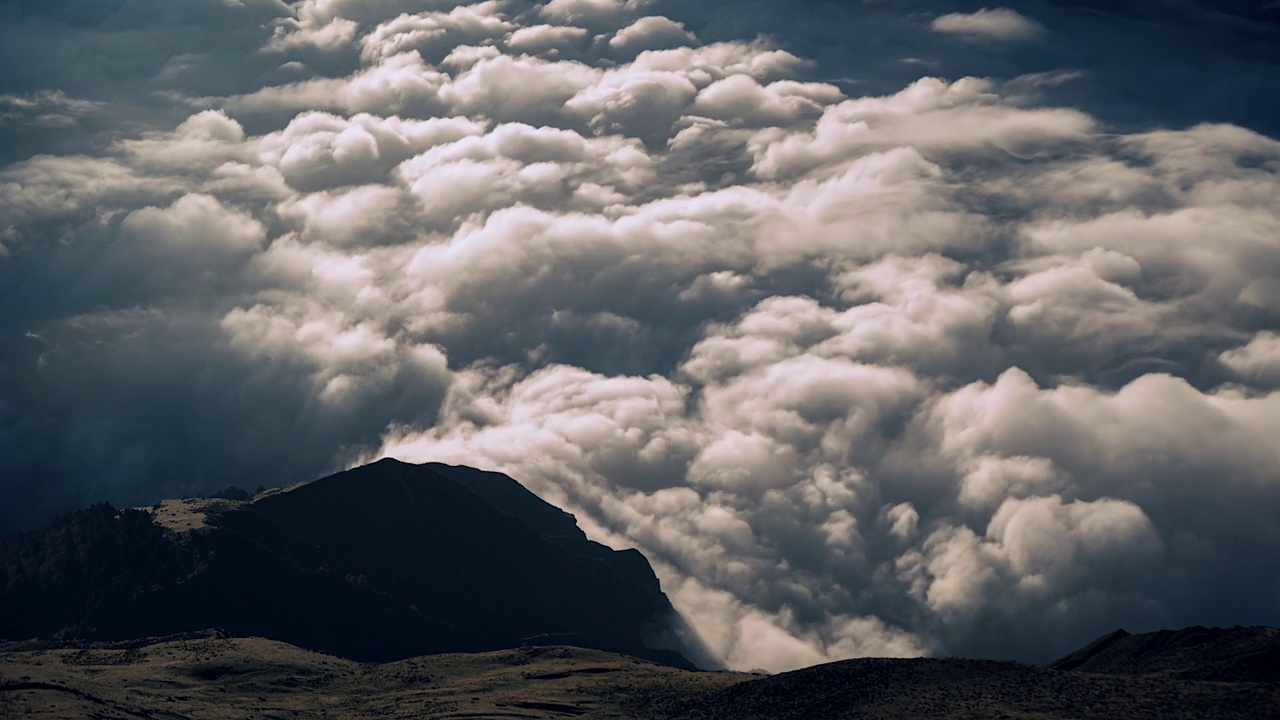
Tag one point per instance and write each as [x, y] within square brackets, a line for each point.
[1197, 653]
[406, 591]
[213, 677]
[210, 676]
[379, 563]
[954, 689]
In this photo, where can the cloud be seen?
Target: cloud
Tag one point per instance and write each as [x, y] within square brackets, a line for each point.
[1032, 548]
[535, 39]
[651, 32]
[435, 34]
[589, 13]
[1000, 24]
[1258, 361]
[48, 108]
[892, 347]
[965, 116]
[518, 89]
[740, 99]
[401, 83]
[319, 150]
[293, 35]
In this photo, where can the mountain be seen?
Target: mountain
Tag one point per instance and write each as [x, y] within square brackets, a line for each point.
[380, 563]
[403, 591]
[1197, 653]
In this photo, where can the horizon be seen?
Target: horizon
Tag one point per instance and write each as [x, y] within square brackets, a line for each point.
[894, 328]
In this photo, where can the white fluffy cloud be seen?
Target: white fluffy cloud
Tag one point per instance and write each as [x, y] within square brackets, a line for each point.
[988, 24]
[436, 34]
[534, 39]
[915, 347]
[651, 32]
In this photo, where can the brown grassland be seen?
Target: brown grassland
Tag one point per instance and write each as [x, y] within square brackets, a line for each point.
[213, 677]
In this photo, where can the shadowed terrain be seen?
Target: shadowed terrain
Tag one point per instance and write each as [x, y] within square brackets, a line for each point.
[1198, 653]
[431, 591]
[209, 675]
[224, 678]
[380, 563]
[1193, 673]
[958, 688]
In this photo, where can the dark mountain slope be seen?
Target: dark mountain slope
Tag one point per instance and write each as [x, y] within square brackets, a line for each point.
[1226, 654]
[382, 562]
[942, 689]
[548, 520]
[513, 499]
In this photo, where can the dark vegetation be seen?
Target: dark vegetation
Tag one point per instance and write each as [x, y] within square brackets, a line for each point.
[379, 563]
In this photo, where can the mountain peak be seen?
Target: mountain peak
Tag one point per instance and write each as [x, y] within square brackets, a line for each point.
[380, 562]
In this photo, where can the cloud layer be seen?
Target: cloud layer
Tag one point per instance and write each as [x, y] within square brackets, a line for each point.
[935, 342]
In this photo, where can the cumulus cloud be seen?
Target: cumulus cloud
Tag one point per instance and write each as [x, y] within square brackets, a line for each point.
[534, 39]
[651, 32]
[896, 347]
[596, 14]
[436, 34]
[1001, 24]
[1258, 361]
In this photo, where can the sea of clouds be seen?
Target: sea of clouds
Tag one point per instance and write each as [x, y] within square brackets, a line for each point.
[881, 327]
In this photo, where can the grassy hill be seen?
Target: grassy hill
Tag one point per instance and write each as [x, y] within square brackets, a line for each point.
[212, 676]
[220, 678]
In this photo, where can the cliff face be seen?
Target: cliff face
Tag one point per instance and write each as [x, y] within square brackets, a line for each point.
[378, 563]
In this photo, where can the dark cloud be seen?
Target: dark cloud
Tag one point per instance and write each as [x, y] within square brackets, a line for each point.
[881, 327]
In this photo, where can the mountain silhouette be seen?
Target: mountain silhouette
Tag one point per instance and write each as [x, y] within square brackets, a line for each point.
[1238, 654]
[379, 563]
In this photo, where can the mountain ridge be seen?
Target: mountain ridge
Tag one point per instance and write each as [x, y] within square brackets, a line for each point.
[1250, 654]
[450, 591]
[380, 562]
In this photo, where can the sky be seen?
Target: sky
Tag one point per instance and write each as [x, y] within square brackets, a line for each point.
[880, 327]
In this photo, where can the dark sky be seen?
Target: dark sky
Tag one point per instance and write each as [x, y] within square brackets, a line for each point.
[881, 327]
